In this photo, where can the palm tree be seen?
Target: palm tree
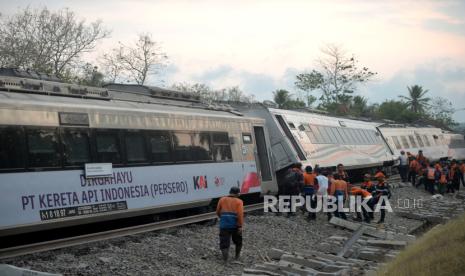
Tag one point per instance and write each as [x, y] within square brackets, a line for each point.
[416, 100]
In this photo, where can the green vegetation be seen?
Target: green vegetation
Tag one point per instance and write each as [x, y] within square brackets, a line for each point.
[440, 251]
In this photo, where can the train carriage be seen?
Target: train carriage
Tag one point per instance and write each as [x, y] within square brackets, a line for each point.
[72, 154]
[456, 145]
[311, 139]
[412, 139]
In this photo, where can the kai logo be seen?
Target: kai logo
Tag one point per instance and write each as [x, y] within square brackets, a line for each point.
[200, 182]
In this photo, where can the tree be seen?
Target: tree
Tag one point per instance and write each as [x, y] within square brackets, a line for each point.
[396, 111]
[441, 111]
[337, 78]
[209, 95]
[281, 96]
[47, 41]
[285, 100]
[359, 106]
[90, 76]
[135, 63]
[416, 101]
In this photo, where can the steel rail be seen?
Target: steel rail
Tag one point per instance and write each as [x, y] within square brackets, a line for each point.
[15, 251]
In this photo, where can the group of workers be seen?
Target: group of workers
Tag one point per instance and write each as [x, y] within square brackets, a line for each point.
[441, 177]
[436, 177]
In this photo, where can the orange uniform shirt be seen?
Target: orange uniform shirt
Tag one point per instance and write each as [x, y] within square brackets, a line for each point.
[231, 212]
[339, 185]
[309, 179]
[360, 192]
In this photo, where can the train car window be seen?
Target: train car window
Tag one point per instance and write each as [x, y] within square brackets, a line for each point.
[412, 141]
[318, 138]
[309, 132]
[221, 147]
[420, 141]
[396, 142]
[336, 135]
[202, 146]
[42, 146]
[332, 134]
[135, 147]
[347, 136]
[11, 148]
[362, 134]
[404, 142]
[190, 147]
[372, 137]
[341, 135]
[355, 138]
[291, 125]
[76, 146]
[324, 136]
[247, 138]
[108, 148]
[435, 139]
[426, 140]
[160, 144]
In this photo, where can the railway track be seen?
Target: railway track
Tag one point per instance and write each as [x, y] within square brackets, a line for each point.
[111, 234]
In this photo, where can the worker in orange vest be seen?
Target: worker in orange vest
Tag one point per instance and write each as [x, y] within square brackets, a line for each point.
[309, 190]
[382, 189]
[367, 184]
[454, 176]
[441, 179]
[340, 191]
[364, 194]
[414, 168]
[421, 158]
[429, 178]
[379, 173]
[230, 210]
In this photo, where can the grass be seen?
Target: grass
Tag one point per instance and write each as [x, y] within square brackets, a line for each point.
[440, 251]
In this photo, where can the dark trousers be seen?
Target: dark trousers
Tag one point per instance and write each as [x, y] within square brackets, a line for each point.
[367, 214]
[227, 234]
[403, 172]
[429, 185]
[309, 193]
[339, 198]
[413, 178]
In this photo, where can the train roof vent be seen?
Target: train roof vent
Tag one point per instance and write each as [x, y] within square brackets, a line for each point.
[154, 92]
[28, 74]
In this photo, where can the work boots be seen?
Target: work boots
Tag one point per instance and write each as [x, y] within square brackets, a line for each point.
[238, 252]
[225, 253]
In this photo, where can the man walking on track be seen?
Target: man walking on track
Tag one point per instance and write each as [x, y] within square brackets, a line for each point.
[230, 210]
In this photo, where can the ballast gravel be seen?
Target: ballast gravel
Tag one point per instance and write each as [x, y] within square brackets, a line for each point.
[193, 250]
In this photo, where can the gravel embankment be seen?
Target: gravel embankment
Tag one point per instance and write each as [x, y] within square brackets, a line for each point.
[193, 250]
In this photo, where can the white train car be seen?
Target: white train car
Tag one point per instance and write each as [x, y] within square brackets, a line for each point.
[456, 145]
[312, 139]
[73, 154]
[412, 139]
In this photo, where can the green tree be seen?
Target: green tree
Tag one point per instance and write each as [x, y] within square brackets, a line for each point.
[396, 111]
[281, 97]
[416, 100]
[336, 78]
[359, 106]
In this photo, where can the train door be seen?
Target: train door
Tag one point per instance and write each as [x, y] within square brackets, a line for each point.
[263, 160]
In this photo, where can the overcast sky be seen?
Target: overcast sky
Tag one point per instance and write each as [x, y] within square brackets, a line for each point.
[261, 45]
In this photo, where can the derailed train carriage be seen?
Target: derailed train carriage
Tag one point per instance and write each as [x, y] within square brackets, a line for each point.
[430, 140]
[311, 139]
[73, 154]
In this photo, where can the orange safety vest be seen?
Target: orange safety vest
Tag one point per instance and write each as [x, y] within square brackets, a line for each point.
[309, 179]
[462, 168]
[443, 179]
[414, 165]
[367, 184]
[361, 192]
[430, 173]
[339, 185]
